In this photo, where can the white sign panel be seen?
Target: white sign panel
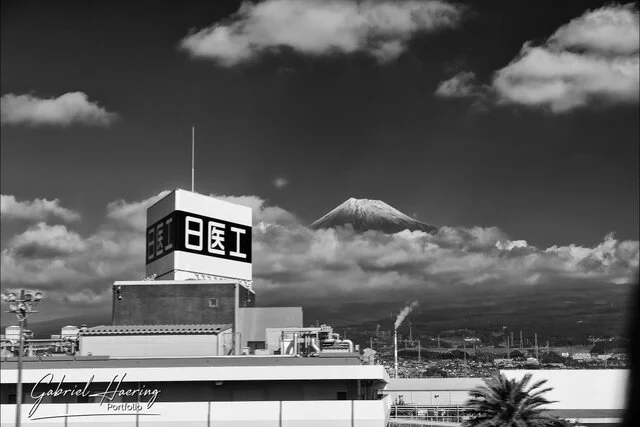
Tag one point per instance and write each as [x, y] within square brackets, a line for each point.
[190, 232]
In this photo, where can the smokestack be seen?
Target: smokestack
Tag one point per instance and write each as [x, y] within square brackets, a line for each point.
[401, 316]
[395, 351]
[404, 313]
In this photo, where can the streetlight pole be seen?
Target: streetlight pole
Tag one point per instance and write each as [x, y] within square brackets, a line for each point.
[21, 305]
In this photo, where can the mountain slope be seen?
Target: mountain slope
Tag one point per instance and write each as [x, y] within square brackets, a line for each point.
[365, 214]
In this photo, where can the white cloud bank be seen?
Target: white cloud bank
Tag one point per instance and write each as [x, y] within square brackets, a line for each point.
[67, 109]
[295, 262]
[34, 210]
[381, 29]
[592, 59]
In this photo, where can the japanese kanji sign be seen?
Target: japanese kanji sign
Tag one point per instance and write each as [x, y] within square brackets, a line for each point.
[188, 232]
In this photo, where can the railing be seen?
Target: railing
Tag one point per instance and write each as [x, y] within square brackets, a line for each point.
[309, 413]
[448, 414]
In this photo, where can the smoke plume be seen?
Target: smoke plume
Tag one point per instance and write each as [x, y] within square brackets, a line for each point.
[404, 313]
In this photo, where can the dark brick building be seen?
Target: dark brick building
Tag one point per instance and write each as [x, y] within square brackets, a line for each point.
[188, 302]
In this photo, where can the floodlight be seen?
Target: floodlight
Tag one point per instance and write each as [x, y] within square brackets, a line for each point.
[28, 296]
[13, 307]
[9, 296]
[38, 296]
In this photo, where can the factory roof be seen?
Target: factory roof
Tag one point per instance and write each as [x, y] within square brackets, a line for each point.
[417, 384]
[155, 329]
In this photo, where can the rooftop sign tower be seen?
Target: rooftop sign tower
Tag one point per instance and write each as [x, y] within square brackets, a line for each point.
[193, 236]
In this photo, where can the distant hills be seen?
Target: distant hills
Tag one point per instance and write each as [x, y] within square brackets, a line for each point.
[366, 214]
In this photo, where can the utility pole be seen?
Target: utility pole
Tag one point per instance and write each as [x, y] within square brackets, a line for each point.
[438, 341]
[410, 333]
[512, 339]
[536, 340]
[371, 343]
[419, 355]
[21, 305]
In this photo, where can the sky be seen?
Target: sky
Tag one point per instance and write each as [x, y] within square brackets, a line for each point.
[513, 125]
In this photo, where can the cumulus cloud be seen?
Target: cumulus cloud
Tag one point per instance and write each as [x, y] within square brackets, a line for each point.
[34, 210]
[293, 263]
[380, 29]
[459, 86]
[47, 241]
[72, 107]
[593, 58]
[132, 215]
[563, 80]
[610, 30]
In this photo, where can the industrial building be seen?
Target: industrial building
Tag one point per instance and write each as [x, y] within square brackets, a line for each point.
[190, 345]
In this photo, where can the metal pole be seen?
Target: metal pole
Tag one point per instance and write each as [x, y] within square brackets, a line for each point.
[193, 151]
[464, 346]
[19, 384]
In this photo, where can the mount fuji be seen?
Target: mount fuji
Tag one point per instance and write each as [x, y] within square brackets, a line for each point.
[365, 214]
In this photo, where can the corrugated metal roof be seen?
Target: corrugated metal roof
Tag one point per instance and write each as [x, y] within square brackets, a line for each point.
[155, 329]
[94, 362]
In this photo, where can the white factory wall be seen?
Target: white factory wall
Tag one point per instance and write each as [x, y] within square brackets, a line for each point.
[151, 345]
[431, 391]
[581, 388]
[320, 413]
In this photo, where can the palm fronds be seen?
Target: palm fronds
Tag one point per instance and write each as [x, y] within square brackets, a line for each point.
[509, 403]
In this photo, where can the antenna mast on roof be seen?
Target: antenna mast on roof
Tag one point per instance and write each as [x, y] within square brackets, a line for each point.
[193, 161]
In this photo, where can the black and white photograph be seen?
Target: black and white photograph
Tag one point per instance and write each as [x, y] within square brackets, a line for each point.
[319, 213]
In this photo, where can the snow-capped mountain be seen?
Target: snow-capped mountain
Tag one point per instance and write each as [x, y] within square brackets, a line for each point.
[365, 214]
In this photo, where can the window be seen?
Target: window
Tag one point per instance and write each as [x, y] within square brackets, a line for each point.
[213, 302]
[256, 345]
